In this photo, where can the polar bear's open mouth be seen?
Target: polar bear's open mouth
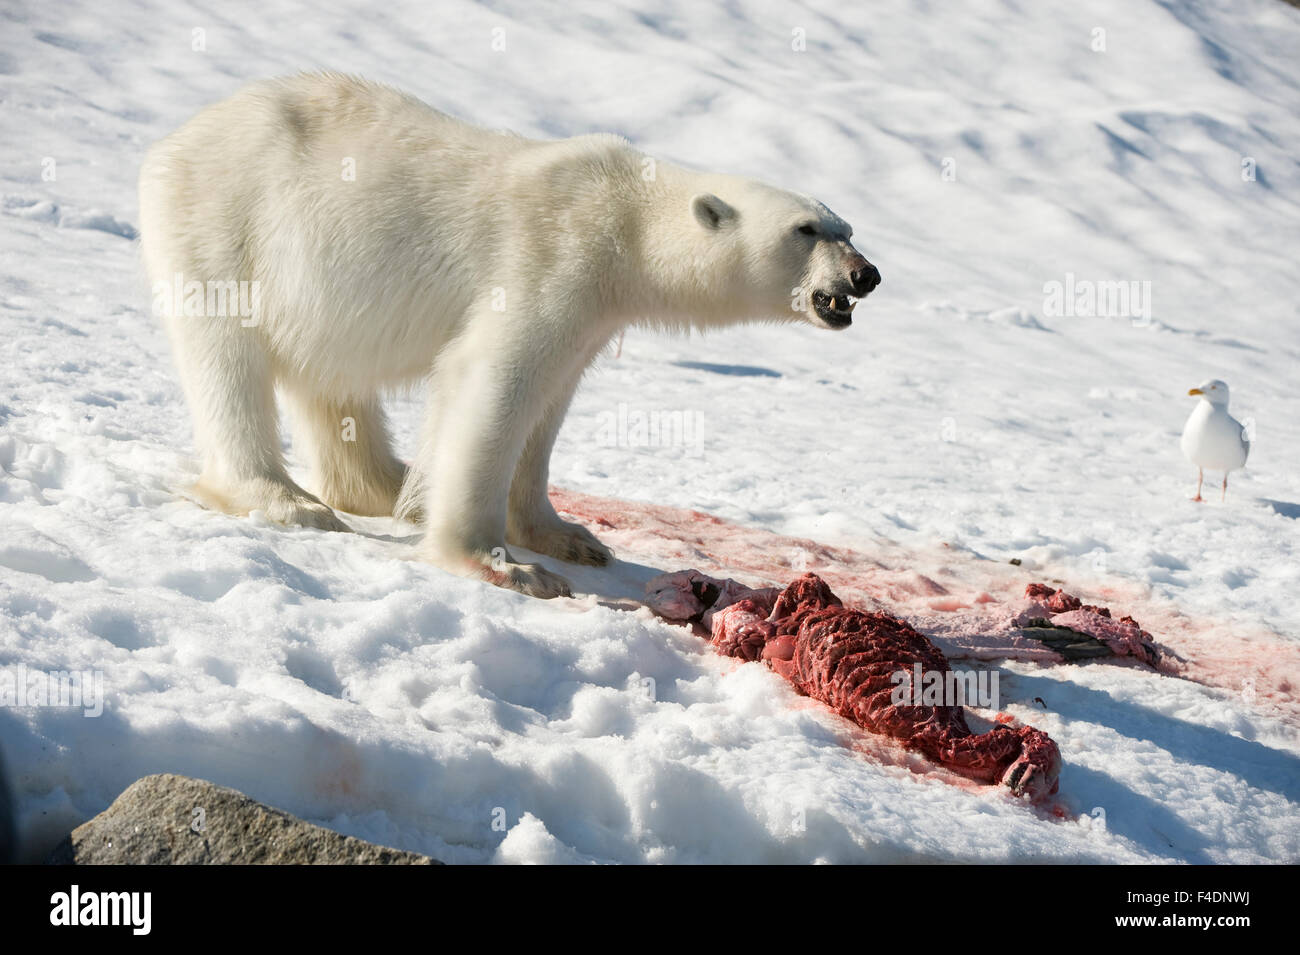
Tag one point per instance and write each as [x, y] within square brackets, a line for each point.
[835, 310]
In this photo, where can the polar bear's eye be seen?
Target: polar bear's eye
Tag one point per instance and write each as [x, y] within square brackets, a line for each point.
[808, 230]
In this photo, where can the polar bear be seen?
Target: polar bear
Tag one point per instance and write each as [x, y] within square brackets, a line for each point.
[371, 240]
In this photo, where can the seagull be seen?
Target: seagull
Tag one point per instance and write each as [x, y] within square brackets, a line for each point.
[1212, 438]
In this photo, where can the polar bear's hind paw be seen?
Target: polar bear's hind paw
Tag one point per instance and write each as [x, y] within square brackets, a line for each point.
[302, 510]
[571, 543]
[279, 501]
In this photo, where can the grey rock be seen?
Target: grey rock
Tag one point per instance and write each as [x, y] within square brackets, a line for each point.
[156, 821]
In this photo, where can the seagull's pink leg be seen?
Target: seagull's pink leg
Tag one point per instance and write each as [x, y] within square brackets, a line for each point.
[1225, 487]
[1200, 476]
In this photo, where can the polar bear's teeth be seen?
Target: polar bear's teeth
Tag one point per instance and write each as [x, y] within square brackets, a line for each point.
[834, 304]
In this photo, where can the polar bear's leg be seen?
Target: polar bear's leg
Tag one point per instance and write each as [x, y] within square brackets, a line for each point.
[531, 520]
[346, 440]
[227, 381]
[488, 401]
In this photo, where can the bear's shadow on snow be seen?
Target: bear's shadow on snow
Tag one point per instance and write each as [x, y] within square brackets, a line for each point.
[1133, 816]
[408, 540]
[618, 582]
[1254, 763]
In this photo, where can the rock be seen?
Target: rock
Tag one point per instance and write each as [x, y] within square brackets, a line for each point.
[175, 820]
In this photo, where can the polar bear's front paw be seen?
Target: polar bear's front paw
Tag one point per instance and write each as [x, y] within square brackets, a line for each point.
[571, 543]
[531, 579]
[498, 567]
[536, 581]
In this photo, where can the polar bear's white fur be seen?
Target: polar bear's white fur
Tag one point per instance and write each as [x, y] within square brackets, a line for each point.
[387, 242]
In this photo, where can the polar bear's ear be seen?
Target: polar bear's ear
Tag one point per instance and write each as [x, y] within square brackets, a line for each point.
[710, 211]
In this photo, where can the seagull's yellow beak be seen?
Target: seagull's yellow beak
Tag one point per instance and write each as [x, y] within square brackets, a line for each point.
[1196, 391]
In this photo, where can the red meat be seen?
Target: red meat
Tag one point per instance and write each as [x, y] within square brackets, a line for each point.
[847, 659]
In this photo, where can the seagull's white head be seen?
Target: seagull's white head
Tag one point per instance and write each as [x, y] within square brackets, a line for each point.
[1214, 391]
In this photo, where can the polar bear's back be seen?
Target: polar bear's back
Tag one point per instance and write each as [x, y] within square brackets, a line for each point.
[340, 197]
[312, 117]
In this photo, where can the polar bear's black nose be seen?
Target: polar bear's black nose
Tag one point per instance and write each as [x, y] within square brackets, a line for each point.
[865, 279]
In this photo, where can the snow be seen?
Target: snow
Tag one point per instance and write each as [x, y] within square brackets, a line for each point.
[961, 422]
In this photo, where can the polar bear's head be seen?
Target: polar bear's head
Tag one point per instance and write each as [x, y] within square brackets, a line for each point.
[774, 254]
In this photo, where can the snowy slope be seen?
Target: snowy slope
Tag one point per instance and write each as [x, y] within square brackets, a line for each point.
[958, 424]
